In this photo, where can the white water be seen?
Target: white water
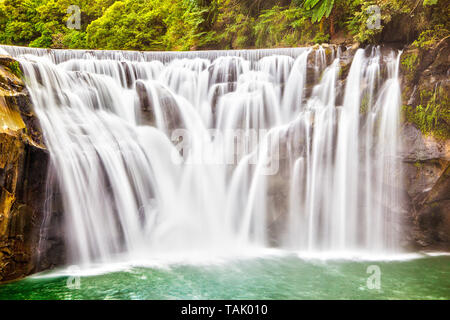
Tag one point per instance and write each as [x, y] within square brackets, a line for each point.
[322, 177]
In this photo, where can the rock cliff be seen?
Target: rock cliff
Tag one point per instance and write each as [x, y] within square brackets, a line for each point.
[426, 133]
[23, 171]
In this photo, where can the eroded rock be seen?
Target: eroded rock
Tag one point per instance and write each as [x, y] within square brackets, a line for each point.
[427, 185]
[23, 170]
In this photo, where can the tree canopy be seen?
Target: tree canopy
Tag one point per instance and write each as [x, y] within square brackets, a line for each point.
[208, 24]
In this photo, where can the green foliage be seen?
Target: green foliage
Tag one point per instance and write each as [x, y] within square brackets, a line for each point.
[364, 104]
[131, 24]
[410, 62]
[162, 25]
[429, 2]
[211, 24]
[432, 116]
[357, 24]
[42, 23]
[283, 27]
[14, 66]
[230, 26]
[319, 8]
[73, 39]
[429, 37]
[321, 37]
[362, 13]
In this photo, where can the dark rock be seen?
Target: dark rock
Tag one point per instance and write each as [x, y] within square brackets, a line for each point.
[227, 69]
[171, 113]
[433, 212]
[421, 148]
[23, 171]
[427, 184]
[145, 105]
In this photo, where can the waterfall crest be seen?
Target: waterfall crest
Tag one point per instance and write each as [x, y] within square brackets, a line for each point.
[157, 152]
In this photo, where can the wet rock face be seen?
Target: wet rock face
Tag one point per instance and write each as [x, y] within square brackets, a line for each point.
[427, 185]
[427, 155]
[23, 170]
[168, 107]
[434, 211]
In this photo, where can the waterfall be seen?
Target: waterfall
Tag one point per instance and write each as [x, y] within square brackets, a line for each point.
[220, 151]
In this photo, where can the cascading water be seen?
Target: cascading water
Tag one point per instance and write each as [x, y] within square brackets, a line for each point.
[220, 151]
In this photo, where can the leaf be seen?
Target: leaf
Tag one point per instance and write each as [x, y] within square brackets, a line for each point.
[309, 4]
[320, 11]
[429, 2]
[330, 4]
[319, 8]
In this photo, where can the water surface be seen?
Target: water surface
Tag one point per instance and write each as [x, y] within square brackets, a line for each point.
[280, 277]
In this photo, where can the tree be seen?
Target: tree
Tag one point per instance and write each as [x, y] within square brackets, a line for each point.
[147, 25]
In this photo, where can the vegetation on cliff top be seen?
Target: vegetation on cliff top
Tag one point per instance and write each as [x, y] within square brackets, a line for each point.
[425, 67]
[432, 115]
[215, 24]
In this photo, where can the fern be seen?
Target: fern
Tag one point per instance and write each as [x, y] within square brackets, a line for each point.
[319, 8]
